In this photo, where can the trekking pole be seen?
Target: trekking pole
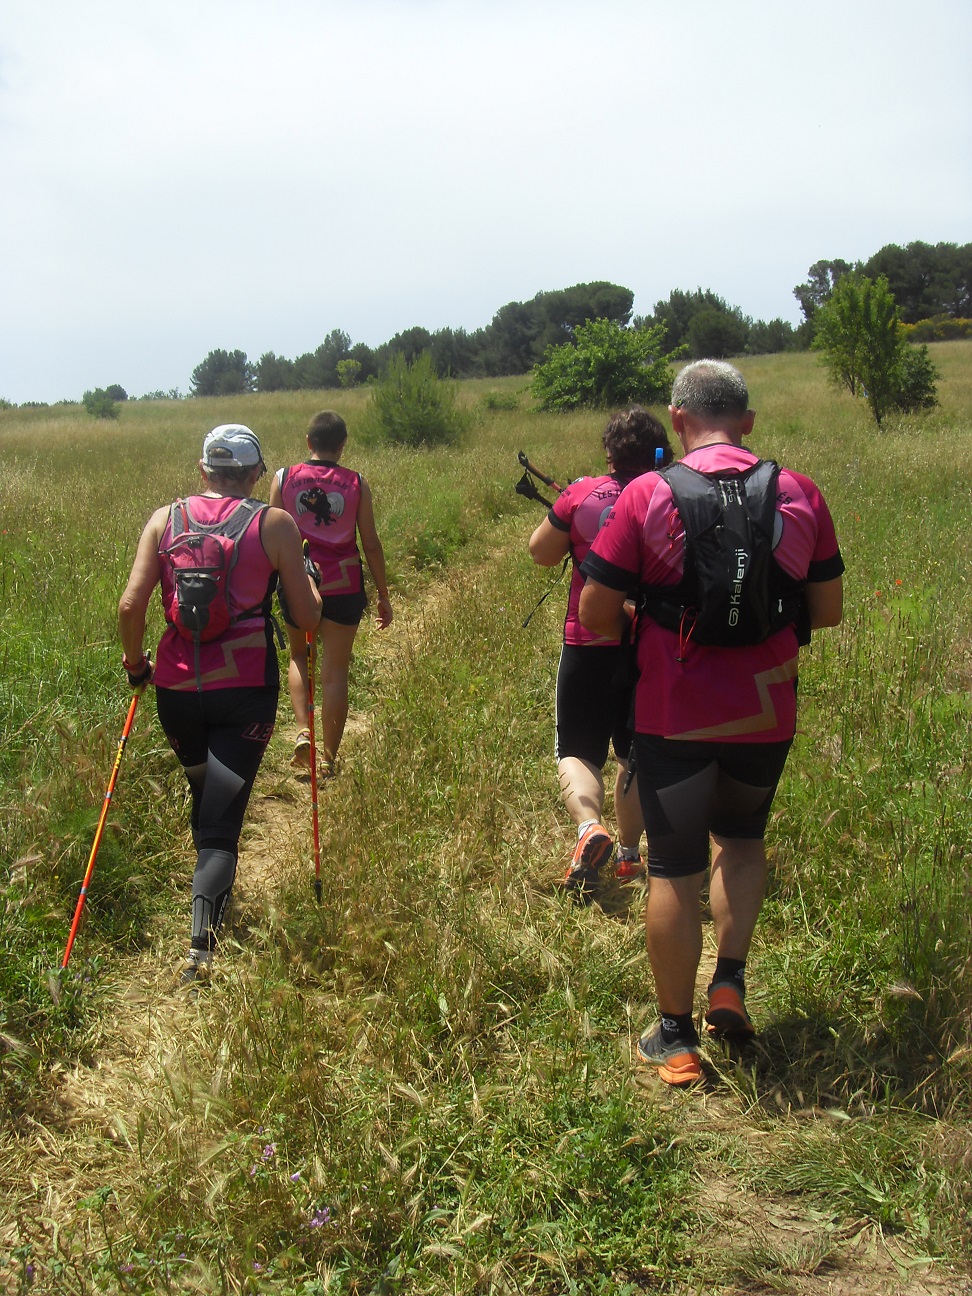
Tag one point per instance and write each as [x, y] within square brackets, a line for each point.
[311, 671]
[547, 481]
[527, 487]
[99, 832]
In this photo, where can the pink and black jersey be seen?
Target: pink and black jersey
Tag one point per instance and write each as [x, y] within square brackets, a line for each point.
[244, 656]
[716, 694]
[322, 498]
[581, 510]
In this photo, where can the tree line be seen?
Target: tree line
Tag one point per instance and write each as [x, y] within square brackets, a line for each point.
[931, 286]
[928, 282]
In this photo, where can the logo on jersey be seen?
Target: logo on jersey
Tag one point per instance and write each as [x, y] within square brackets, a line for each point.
[327, 507]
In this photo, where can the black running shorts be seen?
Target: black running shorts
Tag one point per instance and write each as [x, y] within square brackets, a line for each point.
[345, 609]
[593, 703]
[691, 789]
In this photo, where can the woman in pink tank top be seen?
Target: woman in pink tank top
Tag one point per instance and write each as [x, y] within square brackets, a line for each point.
[332, 507]
[216, 683]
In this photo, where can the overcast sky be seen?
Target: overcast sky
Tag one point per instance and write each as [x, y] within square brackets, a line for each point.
[187, 175]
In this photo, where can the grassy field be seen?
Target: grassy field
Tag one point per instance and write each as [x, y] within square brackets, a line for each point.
[425, 1084]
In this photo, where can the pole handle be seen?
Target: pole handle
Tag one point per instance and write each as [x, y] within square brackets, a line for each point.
[547, 481]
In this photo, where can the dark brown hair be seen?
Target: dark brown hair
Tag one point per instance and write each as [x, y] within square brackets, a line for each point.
[631, 439]
[327, 431]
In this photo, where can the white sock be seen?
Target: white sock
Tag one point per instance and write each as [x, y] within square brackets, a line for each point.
[582, 828]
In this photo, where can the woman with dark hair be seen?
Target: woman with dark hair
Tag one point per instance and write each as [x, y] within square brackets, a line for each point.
[215, 673]
[593, 696]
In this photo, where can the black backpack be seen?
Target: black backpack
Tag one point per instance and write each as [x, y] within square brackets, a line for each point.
[732, 592]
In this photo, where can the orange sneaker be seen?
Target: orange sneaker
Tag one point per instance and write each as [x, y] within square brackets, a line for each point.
[726, 1014]
[593, 849]
[677, 1063]
[626, 870]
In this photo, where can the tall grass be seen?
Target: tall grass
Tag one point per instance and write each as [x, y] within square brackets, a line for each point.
[425, 1083]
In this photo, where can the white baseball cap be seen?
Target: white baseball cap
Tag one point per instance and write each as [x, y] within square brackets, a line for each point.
[231, 445]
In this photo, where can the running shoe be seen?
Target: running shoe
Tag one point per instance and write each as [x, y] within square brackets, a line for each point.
[301, 756]
[195, 970]
[726, 1014]
[677, 1063]
[594, 847]
[626, 870]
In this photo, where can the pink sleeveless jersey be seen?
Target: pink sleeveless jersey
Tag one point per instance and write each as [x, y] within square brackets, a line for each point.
[745, 694]
[243, 657]
[582, 509]
[322, 498]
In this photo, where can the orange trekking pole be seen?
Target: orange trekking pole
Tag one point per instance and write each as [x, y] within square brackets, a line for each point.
[311, 671]
[99, 832]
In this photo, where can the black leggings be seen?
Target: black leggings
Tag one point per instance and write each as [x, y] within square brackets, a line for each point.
[219, 736]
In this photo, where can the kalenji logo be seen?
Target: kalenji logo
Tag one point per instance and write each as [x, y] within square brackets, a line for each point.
[735, 597]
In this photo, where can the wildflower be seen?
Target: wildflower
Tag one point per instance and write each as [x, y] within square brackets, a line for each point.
[897, 582]
[321, 1216]
[295, 1176]
[269, 1150]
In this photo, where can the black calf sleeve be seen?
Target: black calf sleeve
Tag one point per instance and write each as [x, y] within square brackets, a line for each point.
[211, 886]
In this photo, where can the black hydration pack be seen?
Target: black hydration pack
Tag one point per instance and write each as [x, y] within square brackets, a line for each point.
[732, 592]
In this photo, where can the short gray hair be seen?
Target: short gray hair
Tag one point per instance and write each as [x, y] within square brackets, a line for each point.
[711, 387]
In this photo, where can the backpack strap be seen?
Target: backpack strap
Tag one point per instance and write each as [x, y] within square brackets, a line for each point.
[179, 519]
[694, 496]
[234, 528]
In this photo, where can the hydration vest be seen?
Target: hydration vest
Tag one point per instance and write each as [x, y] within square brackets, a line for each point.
[201, 556]
[732, 592]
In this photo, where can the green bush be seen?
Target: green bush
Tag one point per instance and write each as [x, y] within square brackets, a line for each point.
[916, 379]
[99, 404]
[606, 366]
[941, 328]
[412, 406]
[494, 400]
